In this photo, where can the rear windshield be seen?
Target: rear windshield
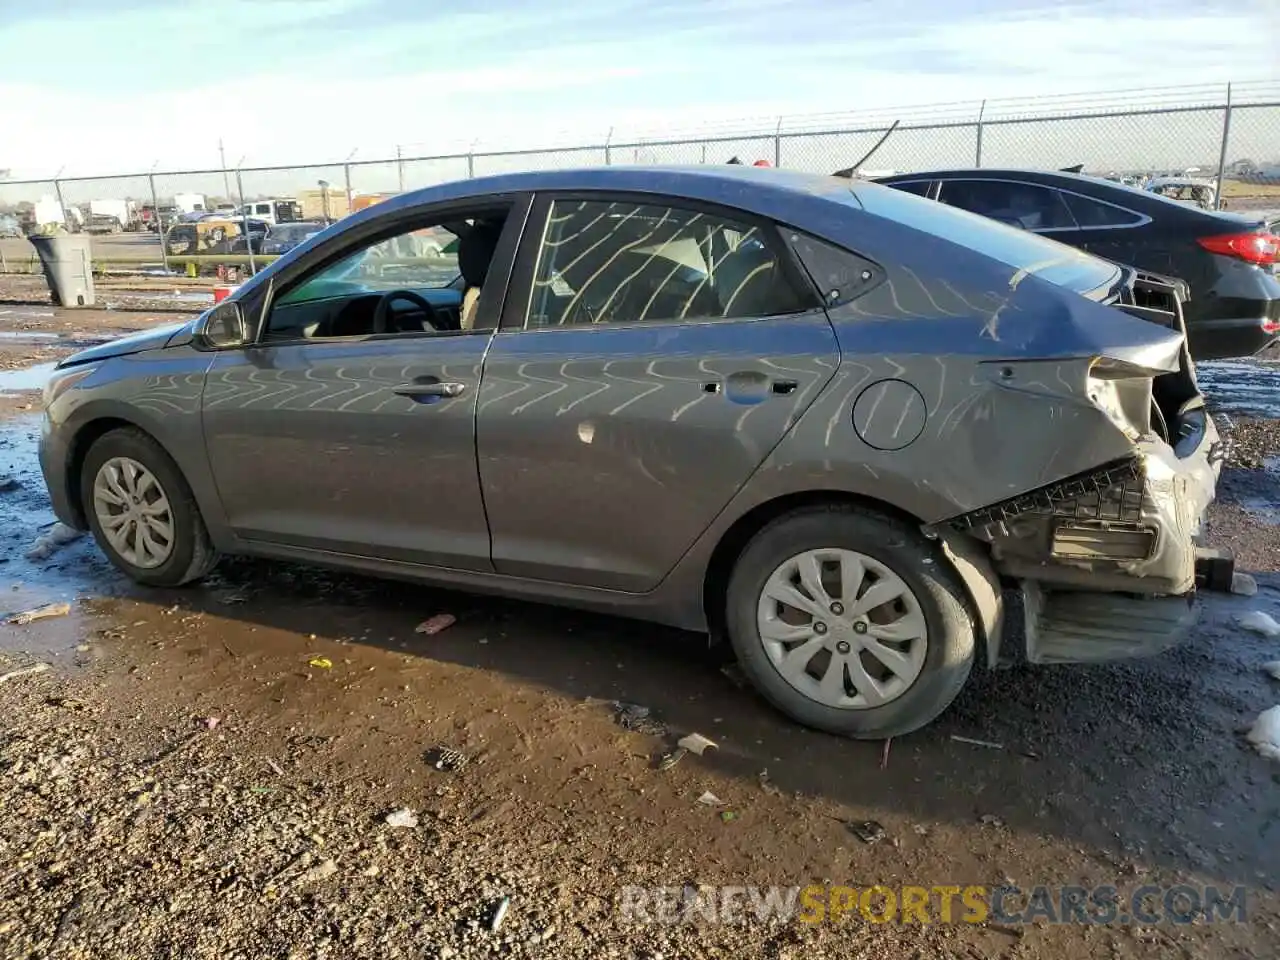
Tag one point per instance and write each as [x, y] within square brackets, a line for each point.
[1047, 259]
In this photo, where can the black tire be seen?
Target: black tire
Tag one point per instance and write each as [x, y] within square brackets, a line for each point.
[193, 554]
[949, 653]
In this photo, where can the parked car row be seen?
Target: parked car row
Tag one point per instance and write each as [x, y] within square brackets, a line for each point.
[830, 421]
[216, 233]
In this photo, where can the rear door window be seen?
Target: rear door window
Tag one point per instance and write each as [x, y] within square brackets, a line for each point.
[1025, 205]
[623, 262]
[1095, 213]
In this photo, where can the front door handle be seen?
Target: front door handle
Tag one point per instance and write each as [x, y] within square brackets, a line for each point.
[447, 389]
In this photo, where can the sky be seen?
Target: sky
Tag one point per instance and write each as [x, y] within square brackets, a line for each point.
[109, 86]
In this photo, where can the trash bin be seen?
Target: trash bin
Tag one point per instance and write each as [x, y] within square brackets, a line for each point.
[67, 261]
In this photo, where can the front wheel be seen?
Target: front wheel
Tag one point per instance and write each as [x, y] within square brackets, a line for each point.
[142, 511]
[850, 621]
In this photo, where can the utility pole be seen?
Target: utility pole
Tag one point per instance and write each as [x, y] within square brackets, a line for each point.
[222, 156]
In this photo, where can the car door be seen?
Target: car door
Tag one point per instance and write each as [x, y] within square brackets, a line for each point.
[652, 353]
[324, 438]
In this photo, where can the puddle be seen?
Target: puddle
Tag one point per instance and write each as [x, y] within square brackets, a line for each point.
[25, 379]
[1249, 387]
[76, 574]
[23, 336]
[1257, 491]
[31, 338]
[27, 313]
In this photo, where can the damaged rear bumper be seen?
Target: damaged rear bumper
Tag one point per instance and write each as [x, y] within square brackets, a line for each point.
[1107, 561]
[1131, 526]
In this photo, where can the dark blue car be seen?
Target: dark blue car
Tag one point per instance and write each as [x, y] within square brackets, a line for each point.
[1229, 260]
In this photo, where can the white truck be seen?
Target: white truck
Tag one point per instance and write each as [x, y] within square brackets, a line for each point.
[189, 202]
[47, 210]
[273, 210]
[113, 216]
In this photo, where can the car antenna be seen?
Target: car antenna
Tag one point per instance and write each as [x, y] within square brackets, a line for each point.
[735, 160]
[849, 172]
[1078, 168]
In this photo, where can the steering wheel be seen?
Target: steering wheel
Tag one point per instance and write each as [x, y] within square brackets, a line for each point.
[382, 313]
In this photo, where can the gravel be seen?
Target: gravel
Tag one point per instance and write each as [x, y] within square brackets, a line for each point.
[133, 836]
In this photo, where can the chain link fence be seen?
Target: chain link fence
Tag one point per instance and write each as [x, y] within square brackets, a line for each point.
[1228, 134]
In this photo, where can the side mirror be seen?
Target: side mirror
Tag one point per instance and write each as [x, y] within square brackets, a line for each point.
[222, 327]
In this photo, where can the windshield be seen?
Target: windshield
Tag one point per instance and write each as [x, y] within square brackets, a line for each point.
[1047, 259]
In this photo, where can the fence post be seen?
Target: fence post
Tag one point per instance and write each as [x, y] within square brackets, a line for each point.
[608, 150]
[248, 241]
[471, 166]
[57, 188]
[1222, 155]
[777, 144]
[978, 158]
[400, 167]
[155, 207]
[346, 176]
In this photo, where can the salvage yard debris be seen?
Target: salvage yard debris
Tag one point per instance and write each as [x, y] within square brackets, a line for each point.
[670, 758]
[710, 799]
[637, 718]
[695, 743]
[24, 672]
[868, 831]
[990, 744]
[48, 543]
[499, 914]
[320, 663]
[446, 758]
[401, 818]
[45, 612]
[433, 625]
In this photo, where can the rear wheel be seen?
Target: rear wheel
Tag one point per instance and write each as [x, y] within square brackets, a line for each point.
[142, 511]
[850, 621]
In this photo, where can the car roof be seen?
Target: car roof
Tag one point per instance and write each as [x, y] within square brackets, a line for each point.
[1058, 177]
[762, 190]
[1136, 198]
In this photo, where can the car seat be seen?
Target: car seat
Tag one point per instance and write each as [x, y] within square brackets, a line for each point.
[475, 253]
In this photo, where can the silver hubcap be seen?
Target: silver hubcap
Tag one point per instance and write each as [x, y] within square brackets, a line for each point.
[842, 628]
[134, 513]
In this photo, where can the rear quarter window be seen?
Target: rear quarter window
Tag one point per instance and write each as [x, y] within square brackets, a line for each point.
[1096, 213]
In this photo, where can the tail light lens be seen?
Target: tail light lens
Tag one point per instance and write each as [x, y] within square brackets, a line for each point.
[1259, 248]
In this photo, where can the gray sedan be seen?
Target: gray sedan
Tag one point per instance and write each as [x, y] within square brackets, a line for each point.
[831, 421]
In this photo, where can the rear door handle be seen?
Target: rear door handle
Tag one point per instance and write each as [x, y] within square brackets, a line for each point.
[784, 387]
[448, 389]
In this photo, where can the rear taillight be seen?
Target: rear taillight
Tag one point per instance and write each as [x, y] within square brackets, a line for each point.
[1259, 248]
[1271, 326]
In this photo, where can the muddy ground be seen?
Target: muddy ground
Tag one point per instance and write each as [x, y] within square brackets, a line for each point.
[207, 772]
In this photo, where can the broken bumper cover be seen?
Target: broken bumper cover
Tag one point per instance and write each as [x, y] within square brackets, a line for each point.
[1129, 526]
[1108, 560]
